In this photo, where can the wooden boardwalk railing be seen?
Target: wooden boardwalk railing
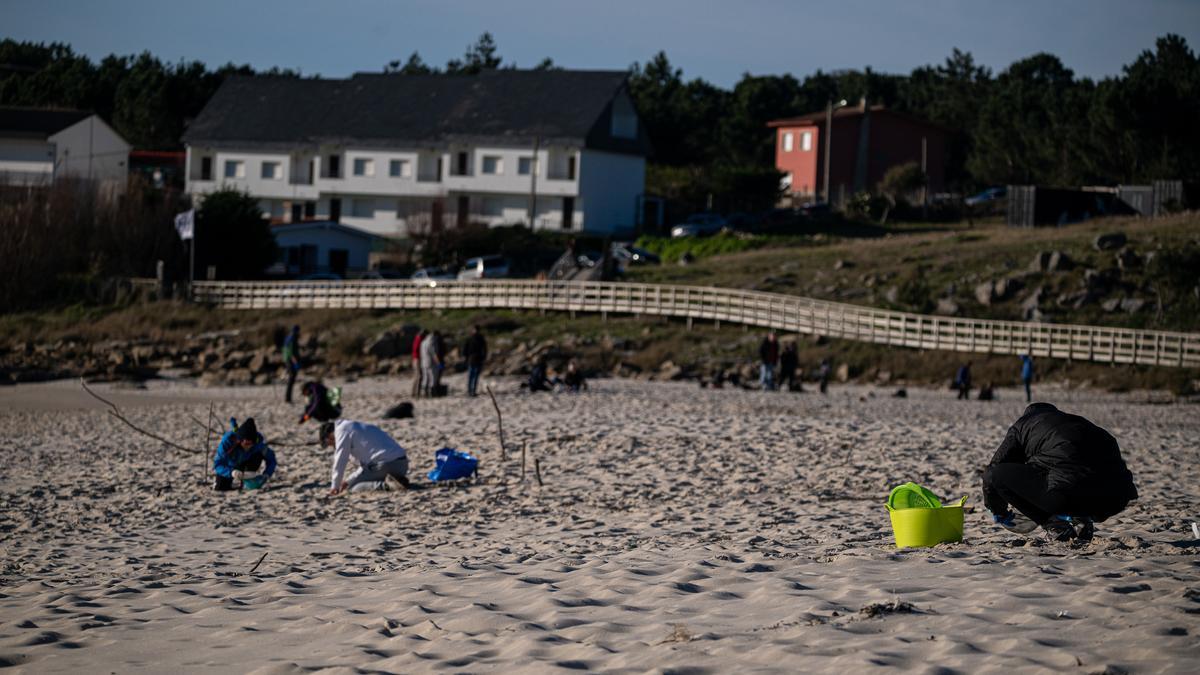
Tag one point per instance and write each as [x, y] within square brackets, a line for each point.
[769, 310]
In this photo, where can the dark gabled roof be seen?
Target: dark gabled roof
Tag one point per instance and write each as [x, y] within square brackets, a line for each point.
[408, 110]
[323, 226]
[818, 118]
[37, 122]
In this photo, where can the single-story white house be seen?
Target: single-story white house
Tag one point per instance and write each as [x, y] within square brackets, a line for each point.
[392, 153]
[39, 145]
[322, 247]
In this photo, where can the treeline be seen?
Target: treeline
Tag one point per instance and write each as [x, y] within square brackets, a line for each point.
[1033, 122]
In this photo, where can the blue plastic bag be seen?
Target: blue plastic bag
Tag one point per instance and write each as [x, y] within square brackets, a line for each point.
[453, 465]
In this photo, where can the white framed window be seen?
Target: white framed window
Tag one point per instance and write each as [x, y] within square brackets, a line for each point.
[362, 208]
[493, 164]
[364, 166]
[272, 170]
[787, 141]
[235, 168]
[400, 168]
[806, 141]
[524, 166]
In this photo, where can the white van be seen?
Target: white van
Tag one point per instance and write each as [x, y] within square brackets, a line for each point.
[485, 267]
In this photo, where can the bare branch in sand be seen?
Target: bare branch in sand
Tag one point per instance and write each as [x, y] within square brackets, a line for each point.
[264, 557]
[499, 422]
[116, 412]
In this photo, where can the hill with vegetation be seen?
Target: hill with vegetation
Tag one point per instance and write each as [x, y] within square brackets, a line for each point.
[1146, 282]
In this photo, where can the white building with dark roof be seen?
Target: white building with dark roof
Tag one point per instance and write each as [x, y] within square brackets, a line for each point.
[38, 146]
[389, 153]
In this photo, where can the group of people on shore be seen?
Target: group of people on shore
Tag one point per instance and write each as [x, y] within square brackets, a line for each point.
[429, 362]
[962, 382]
[779, 367]
[1053, 470]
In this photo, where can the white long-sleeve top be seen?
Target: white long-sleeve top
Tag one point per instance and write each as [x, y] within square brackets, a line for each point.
[366, 443]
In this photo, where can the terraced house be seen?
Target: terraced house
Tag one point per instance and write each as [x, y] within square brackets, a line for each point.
[390, 153]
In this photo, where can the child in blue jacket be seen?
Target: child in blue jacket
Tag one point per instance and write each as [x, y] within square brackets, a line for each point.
[240, 455]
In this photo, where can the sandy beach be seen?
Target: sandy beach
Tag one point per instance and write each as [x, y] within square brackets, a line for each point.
[678, 530]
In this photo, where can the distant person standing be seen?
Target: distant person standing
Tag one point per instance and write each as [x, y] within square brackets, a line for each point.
[476, 352]
[1027, 376]
[439, 349]
[418, 371]
[428, 363]
[789, 360]
[291, 360]
[823, 372]
[962, 381]
[768, 354]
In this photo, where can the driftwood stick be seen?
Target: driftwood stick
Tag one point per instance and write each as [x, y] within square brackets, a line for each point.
[264, 557]
[116, 412]
[208, 441]
[499, 423]
[522, 461]
[537, 470]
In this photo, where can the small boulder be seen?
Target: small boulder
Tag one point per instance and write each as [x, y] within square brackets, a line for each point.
[1059, 262]
[843, 373]
[1110, 241]
[947, 307]
[985, 293]
[1128, 259]
[1132, 305]
[1111, 305]
[386, 345]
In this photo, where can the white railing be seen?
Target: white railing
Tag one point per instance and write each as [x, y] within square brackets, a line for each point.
[769, 310]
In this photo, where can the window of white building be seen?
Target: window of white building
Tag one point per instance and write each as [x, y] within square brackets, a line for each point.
[364, 167]
[400, 168]
[362, 208]
[235, 168]
[787, 141]
[524, 166]
[806, 141]
[493, 164]
[272, 170]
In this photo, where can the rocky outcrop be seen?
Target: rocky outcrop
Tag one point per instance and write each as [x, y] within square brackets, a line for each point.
[1110, 241]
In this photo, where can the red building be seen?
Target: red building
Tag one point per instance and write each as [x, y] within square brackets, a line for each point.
[867, 141]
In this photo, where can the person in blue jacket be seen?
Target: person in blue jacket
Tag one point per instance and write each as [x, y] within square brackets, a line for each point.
[1027, 375]
[241, 456]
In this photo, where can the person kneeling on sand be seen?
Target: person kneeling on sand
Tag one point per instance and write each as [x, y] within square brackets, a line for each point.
[240, 455]
[382, 463]
[1060, 471]
[320, 406]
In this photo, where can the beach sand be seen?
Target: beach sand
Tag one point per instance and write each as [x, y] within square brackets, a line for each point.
[678, 530]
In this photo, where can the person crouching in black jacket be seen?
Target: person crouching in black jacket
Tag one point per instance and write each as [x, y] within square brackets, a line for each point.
[1059, 470]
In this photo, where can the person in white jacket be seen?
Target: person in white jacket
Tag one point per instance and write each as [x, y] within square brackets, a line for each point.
[382, 463]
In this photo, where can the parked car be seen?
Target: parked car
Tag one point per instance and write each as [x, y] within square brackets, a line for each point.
[628, 254]
[748, 222]
[988, 195]
[431, 275]
[485, 267]
[381, 275]
[699, 224]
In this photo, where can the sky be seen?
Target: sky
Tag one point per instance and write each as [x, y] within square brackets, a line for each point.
[716, 41]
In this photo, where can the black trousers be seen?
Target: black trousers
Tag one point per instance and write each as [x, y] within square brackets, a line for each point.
[223, 483]
[287, 397]
[1026, 488]
[964, 391]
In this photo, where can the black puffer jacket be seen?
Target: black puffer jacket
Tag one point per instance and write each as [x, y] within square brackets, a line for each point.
[1078, 456]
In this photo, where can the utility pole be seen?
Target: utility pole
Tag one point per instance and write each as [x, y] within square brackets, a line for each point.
[829, 142]
[533, 172]
[925, 177]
